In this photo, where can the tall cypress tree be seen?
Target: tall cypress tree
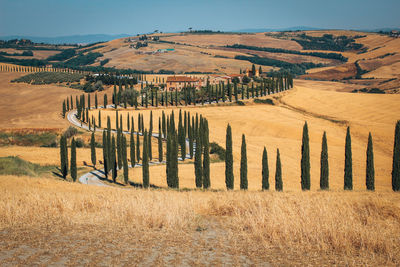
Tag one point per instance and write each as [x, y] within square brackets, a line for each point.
[206, 157]
[396, 159]
[229, 178]
[145, 162]
[149, 150]
[114, 164]
[99, 119]
[63, 156]
[265, 170]
[160, 148]
[93, 150]
[73, 160]
[105, 102]
[278, 172]
[64, 109]
[125, 160]
[198, 167]
[119, 148]
[95, 101]
[324, 175]
[175, 150]
[132, 149]
[243, 165]
[137, 148]
[305, 159]
[370, 169]
[348, 164]
[105, 154]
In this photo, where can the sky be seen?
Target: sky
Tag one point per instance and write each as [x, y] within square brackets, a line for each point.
[50, 18]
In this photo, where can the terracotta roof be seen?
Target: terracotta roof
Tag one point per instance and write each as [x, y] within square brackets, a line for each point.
[181, 79]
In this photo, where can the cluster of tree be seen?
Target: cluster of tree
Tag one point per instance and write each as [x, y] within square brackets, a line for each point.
[46, 77]
[80, 60]
[294, 68]
[327, 42]
[63, 55]
[33, 62]
[335, 56]
[27, 53]
[109, 79]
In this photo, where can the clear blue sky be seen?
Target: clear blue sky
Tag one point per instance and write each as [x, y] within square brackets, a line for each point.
[68, 17]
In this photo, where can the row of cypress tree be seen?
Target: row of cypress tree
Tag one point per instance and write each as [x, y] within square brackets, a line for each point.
[305, 163]
[64, 167]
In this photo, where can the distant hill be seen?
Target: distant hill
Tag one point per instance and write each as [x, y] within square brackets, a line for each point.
[296, 28]
[71, 39]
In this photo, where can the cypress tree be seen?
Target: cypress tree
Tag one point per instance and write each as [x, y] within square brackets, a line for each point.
[145, 162]
[73, 160]
[88, 100]
[160, 148]
[119, 149]
[121, 126]
[68, 104]
[93, 150]
[95, 101]
[105, 156]
[198, 168]
[72, 103]
[168, 161]
[243, 165]
[64, 109]
[206, 157]
[164, 129]
[128, 122]
[113, 160]
[348, 164]
[324, 175]
[278, 172]
[137, 148]
[229, 178]
[116, 120]
[125, 161]
[305, 159]
[265, 170]
[99, 119]
[105, 101]
[370, 172]
[396, 159]
[149, 151]
[63, 159]
[132, 149]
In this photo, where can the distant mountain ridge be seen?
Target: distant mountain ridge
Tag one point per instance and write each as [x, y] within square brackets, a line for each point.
[70, 39]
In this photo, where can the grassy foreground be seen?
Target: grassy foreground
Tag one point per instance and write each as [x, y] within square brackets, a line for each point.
[44, 221]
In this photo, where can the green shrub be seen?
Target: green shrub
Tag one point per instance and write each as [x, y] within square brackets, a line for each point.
[50, 77]
[218, 150]
[264, 101]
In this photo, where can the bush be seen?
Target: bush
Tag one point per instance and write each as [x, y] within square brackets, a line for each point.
[98, 86]
[79, 142]
[42, 139]
[217, 149]
[71, 131]
[264, 101]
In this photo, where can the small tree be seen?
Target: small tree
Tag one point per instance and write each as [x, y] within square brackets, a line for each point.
[348, 163]
[324, 175]
[132, 148]
[370, 172]
[73, 160]
[229, 178]
[278, 172]
[243, 165]
[265, 170]
[93, 150]
[396, 159]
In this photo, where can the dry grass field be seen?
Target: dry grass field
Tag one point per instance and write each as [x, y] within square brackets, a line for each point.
[48, 222]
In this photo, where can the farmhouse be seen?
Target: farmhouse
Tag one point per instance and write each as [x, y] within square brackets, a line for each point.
[179, 82]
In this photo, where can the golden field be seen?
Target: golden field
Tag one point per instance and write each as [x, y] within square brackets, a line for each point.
[48, 222]
[323, 106]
